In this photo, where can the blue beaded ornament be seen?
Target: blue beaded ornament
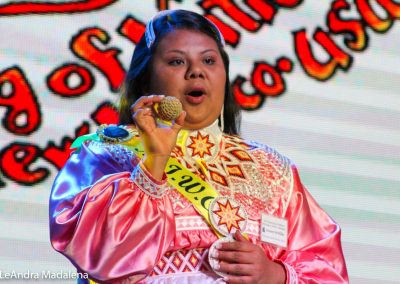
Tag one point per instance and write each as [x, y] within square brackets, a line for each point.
[114, 133]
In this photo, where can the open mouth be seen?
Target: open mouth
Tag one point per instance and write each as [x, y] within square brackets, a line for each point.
[195, 93]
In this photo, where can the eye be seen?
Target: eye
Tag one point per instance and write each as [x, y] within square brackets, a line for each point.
[209, 60]
[176, 62]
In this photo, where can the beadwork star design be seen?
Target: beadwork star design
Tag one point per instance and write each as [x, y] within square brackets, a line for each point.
[201, 145]
[229, 215]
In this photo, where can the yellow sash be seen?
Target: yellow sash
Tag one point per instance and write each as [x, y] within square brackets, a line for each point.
[193, 188]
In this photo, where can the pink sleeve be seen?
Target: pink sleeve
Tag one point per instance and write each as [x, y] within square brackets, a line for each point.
[109, 222]
[314, 253]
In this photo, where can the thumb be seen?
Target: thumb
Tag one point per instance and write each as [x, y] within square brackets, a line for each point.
[178, 124]
[239, 237]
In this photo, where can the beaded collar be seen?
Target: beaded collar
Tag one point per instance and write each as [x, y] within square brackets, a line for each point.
[203, 144]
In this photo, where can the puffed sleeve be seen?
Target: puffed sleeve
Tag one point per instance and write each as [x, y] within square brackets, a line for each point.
[314, 253]
[110, 222]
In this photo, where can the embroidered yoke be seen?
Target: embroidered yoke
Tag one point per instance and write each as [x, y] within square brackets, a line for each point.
[113, 220]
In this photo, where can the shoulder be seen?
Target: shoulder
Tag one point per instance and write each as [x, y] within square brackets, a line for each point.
[109, 136]
[261, 152]
[274, 171]
[119, 143]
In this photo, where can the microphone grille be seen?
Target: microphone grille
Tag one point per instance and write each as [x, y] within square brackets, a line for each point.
[169, 108]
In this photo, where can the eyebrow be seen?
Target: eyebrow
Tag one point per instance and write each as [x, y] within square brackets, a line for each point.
[182, 52]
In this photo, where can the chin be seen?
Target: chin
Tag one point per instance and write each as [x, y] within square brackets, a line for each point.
[196, 125]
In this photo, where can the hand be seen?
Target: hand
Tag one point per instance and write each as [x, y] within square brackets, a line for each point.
[246, 262]
[158, 141]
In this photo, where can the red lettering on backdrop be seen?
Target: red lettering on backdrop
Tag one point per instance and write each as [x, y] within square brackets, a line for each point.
[246, 101]
[391, 7]
[29, 7]
[164, 4]
[371, 18]
[288, 3]
[105, 61]
[277, 86]
[15, 161]
[273, 86]
[132, 29]
[105, 113]
[263, 8]
[266, 79]
[266, 10]
[356, 38]
[23, 115]
[234, 12]
[312, 66]
[58, 155]
[231, 36]
[59, 83]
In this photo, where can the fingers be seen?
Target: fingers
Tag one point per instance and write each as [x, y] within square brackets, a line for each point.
[146, 101]
[236, 269]
[232, 279]
[238, 266]
[235, 257]
[144, 118]
[179, 121]
[239, 237]
[239, 256]
[143, 113]
[150, 102]
[241, 244]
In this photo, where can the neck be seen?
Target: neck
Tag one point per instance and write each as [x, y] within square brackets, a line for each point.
[213, 128]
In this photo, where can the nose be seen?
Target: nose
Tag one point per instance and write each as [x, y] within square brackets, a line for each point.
[194, 71]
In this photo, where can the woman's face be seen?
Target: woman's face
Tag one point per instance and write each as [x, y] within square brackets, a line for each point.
[188, 65]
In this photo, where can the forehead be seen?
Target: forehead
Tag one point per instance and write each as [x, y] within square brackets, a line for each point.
[186, 39]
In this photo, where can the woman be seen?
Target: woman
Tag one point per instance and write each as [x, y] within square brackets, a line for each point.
[187, 201]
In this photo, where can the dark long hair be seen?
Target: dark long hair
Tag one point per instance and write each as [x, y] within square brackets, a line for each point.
[137, 78]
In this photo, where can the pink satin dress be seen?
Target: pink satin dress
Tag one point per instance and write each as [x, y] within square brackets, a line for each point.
[111, 219]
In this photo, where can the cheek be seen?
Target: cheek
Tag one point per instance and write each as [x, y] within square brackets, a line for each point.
[220, 85]
[221, 77]
[159, 81]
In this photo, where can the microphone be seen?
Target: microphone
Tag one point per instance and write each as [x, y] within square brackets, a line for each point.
[169, 108]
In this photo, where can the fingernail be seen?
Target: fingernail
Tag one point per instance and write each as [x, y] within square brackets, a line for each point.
[214, 253]
[217, 266]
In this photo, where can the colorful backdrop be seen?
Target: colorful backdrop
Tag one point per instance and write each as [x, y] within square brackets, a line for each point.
[317, 80]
